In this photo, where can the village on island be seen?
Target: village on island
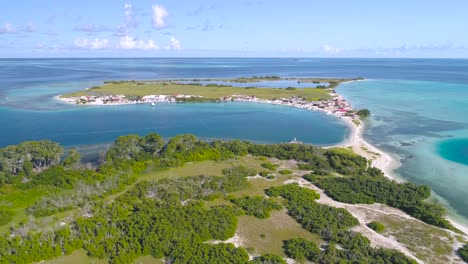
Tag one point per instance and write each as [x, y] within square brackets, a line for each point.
[334, 105]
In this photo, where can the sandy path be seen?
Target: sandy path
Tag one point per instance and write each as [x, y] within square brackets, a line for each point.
[376, 239]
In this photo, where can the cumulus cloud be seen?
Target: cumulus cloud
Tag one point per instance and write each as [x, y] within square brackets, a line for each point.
[8, 28]
[175, 44]
[129, 42]
[91, 44]
[129, 23]
[159, 15]
[130, 19]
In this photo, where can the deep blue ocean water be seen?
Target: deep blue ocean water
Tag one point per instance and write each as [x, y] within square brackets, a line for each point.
[420, 108]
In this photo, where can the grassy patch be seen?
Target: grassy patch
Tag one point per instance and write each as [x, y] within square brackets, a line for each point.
[376, 226]
[267, 235]
[208, 167]
[285, 172]
[430, 244]
[344, 151]
[131, 89]
[16, 200]
[147, 260]
[258, 186]
[269, 166]
[77, 257]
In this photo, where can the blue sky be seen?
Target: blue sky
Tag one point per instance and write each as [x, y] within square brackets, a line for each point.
[258, 28]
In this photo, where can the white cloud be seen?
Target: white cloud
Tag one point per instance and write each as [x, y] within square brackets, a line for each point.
[175, 44]
[331, 50]
[129, 42]
[130, 22]
[8, 29]
[91, 44]
[159, 15]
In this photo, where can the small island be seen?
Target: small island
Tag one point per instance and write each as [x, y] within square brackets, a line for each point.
[311, 93]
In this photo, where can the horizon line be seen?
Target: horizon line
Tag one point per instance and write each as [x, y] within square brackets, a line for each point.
[238, 57]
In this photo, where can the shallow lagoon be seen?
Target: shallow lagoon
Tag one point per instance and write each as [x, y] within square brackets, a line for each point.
[250, 121]
[426, 125]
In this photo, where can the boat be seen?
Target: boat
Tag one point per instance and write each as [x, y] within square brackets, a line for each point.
[152, 104]
[295, 141]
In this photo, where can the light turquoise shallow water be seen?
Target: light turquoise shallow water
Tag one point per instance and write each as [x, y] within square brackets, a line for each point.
[426, 125]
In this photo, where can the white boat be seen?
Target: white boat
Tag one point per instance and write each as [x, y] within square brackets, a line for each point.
[152, 104]
[295, 141]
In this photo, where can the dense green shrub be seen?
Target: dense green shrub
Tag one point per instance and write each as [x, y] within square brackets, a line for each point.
[315, 217]
[463, 252]
[378, 189]
[269, 166]
[285, 172]
[30, 155]
[268, 259]
[301, 250]
[186, 148]
[363, 113]
[256, 205]
[376, 226]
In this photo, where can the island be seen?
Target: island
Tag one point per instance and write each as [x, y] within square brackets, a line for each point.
[314, 94]
[147, 199]
[185, 200]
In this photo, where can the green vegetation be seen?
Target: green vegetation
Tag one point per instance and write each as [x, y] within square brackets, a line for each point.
[426, 242]
[266, 235]
[315, 217]
[376, 226]
[268, 259]
[301, 250]
[373, 187]
[210, 92]
[28, 157]
[256, 205]
[332, 225]
[463, 252]
[5, 216]
[270, 166]
[172, 200]
[363, 113]
[285, 172]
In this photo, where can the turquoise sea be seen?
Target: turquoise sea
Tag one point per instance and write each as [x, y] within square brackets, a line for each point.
[419, 106]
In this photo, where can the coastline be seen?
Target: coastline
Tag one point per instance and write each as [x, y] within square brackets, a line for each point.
[354, 141]
[384, 161]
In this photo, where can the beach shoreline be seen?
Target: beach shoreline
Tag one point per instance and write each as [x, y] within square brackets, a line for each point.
[354, 141]
[384, 161]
